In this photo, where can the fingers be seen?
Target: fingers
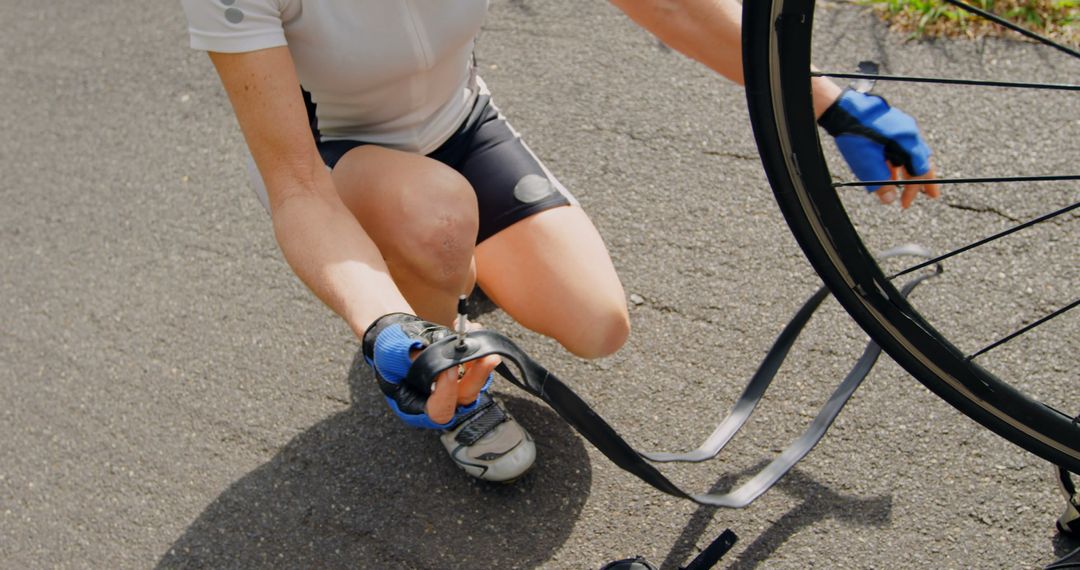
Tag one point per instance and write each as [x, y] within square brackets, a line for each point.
[887, 194]
[451, 391]
[442, 402]
[913, 190]
[476, 374]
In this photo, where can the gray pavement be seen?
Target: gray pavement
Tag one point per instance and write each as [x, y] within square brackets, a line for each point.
[171, 396]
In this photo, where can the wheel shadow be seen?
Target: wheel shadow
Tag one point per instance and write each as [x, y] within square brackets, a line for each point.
[358, 490]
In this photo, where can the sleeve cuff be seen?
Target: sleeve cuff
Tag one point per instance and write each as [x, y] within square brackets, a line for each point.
[237, 43]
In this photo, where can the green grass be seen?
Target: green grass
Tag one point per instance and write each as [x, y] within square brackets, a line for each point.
[1058, 19]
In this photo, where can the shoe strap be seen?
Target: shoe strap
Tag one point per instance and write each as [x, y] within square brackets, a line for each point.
[480, 422]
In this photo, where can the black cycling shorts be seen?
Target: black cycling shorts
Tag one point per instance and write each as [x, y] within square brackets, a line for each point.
[510, 182]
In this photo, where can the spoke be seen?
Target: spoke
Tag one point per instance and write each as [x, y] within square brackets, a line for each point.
[958, 180]
[1023, 330]
[947, 80]
[1018, 29]
[1052, 178]
[998, 235]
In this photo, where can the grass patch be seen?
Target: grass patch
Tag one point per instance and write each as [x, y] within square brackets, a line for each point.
[1057, 19]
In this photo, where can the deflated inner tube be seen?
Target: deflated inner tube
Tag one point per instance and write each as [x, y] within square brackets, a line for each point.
[540, 382]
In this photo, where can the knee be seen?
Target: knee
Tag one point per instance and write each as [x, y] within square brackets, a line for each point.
[441, 233]
[607, 333]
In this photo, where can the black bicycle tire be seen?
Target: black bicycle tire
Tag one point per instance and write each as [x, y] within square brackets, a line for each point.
[776, 56]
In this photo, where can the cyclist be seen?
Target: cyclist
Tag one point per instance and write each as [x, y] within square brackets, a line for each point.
[395, 185]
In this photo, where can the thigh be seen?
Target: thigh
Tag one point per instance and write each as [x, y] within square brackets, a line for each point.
[392, 191]
[510, 182]
[552, 273]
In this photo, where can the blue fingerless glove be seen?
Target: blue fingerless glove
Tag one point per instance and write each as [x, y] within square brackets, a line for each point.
[386, 345]
[868, 132]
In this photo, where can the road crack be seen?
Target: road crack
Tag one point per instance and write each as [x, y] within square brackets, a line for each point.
[983, 210]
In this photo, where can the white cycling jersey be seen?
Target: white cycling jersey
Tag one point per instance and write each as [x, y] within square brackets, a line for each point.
[396, 73]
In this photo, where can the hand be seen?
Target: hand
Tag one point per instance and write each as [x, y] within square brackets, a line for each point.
[392, 342]
[456, 389]
[880, 142]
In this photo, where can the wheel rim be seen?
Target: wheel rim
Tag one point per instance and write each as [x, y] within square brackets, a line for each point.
[777, 47]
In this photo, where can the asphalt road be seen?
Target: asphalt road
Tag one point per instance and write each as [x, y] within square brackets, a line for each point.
[172, 397]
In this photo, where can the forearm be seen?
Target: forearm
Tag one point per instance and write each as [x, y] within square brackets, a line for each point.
[321, 240]
[705, 30]
[709, 31]
[330, 252]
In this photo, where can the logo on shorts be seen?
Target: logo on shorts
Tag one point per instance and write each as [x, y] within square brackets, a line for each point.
[233, 14]
[533, 188]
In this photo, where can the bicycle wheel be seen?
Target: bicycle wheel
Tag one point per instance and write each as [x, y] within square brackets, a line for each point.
[777, 53]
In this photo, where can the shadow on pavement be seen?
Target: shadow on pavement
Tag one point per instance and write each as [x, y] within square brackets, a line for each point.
[816, 502]
[1065, 545]
[358, 490]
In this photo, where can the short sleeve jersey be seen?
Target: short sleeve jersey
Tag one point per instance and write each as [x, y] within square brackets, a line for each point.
[397, 73]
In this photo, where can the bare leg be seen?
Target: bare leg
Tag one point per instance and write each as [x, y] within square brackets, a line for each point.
[552, 273]
[422, 216]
